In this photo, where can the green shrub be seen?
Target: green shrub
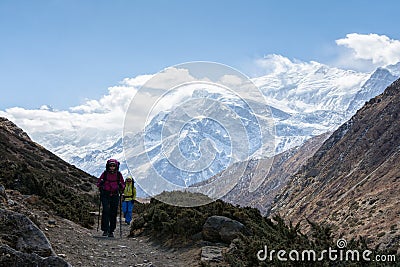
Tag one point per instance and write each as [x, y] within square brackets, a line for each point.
[171, 225]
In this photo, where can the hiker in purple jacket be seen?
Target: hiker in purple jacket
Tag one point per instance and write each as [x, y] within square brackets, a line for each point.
[111, 184]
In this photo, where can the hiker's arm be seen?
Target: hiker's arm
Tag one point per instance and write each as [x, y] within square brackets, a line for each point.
[100, 181]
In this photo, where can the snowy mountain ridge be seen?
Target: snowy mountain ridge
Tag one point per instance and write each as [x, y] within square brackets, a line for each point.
[308, 87]
[306, 99]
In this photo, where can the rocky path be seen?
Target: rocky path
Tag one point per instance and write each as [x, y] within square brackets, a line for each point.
[83, 247]
[80, 246]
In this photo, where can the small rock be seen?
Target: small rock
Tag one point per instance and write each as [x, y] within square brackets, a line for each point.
[211, 254]
[3, 192]
[32, 199]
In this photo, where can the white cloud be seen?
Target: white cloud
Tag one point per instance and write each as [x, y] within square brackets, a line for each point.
[231, 80]
[118, 97]
[274, 63]
[105, 115]
[168, 78]
[277, 64]
[367, 51]
[138, 81]
[359, 52]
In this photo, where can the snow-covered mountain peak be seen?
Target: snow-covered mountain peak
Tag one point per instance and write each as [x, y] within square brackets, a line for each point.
[306, 99]
[307, 87]
[394, 69]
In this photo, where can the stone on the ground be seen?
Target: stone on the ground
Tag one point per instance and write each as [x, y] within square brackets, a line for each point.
[23, 242]
[211, 254]
[222, 229]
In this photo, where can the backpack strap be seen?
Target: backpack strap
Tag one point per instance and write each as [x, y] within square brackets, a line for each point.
[119, 177]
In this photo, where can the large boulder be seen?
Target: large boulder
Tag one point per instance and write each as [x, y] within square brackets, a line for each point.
[20, 233]
[222, 229]
[23, 242]
[11, 257]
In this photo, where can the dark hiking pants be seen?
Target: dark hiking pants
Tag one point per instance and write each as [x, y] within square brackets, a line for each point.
[110, 211]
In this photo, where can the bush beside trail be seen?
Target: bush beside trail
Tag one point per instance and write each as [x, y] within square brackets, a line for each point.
[182, 226]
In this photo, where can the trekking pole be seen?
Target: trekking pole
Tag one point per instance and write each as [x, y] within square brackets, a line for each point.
[98, 216]
[120, 216]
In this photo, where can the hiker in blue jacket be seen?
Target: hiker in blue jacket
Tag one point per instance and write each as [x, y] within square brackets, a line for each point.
[128, 199]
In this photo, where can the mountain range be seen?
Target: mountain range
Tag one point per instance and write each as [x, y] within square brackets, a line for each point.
[306, 100]
[347, 177]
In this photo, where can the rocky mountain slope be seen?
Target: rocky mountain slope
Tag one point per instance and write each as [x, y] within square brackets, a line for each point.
[283, 167]
[34, 171]
[353, 181]
[35, 185]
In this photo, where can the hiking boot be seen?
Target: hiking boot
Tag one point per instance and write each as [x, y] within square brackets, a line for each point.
[105, 233]
[110, 234]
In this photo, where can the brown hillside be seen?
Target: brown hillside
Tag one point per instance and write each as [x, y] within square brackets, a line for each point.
[32, 170]
[283, 167]
[353, 180]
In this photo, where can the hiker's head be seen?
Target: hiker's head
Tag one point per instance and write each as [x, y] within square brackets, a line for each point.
[129, 179]
[112, 165]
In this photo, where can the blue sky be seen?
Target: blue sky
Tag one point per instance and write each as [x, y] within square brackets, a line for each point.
[63, 52]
